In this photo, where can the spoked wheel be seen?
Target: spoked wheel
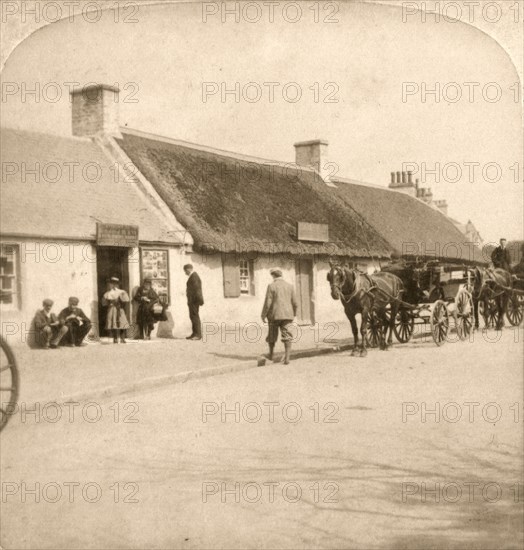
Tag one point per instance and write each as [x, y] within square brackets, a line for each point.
[404, 325]
[9, 383]
[439, 322]
[489, 312]
[374, 328]
[464, 314]
[515, 309]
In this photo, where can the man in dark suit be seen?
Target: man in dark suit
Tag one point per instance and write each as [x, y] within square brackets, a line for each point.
[280, 308]
[48, 327]
[501, 257]
[195, 299]
[76, 321]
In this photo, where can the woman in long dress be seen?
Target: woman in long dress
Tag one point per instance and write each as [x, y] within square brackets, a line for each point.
[116, 320]
[146, 298]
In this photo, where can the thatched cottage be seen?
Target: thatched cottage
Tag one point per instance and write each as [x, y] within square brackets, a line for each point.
[113, 201]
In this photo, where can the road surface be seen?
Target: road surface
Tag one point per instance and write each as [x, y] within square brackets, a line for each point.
[416, 447]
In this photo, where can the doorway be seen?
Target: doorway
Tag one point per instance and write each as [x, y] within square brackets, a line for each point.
[304, 291]
[111, 261]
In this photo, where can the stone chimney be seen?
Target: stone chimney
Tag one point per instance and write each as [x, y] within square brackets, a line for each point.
[95, 110]
[424, 194]
[442, 205]
[314, 154]
[403, 181]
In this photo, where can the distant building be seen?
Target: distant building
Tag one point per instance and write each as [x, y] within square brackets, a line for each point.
[470, 231]
[403, 182]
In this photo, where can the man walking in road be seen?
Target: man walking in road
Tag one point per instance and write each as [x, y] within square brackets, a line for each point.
[501, 257]
[195, 299]
[280, 309]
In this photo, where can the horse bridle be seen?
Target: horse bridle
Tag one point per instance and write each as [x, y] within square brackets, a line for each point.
[339, 287]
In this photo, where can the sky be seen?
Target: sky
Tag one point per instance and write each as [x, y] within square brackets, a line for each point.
[365, 78]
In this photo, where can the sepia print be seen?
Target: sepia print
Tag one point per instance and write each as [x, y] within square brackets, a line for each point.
[262, 274]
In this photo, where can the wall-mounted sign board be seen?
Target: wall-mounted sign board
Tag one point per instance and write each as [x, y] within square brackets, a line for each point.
[315, 232]
[113, 234]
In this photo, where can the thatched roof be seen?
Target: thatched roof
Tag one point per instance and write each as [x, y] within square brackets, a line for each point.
[232, 203]
[411, 227]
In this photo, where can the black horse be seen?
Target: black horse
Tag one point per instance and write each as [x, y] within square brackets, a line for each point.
[491, 284]
[368, 295]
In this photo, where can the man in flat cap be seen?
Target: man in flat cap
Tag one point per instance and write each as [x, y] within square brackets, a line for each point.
[48, 327]
[195, 299]
[280, 308]
[76, 321]
[501, 257]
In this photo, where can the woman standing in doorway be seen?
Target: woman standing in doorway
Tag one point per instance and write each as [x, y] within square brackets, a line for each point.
[116, 320]
[146, 298]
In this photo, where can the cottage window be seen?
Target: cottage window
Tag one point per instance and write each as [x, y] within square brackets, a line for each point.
[9, 275]
[245, 276]
[238, 277]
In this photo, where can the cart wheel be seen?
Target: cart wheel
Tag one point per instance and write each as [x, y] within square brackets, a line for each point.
[439, 321]
[464, 314]
[404, 325]
[489, 313]
[515, 309]
[9, 383]
[374, 327]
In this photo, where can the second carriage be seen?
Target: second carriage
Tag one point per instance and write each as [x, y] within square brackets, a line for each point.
[514, 309]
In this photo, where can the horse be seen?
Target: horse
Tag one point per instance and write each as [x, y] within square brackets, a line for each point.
[491, 284]
[367, 295]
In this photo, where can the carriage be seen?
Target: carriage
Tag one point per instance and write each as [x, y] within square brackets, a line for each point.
[515, 304]
[9, 383]
[434, 294]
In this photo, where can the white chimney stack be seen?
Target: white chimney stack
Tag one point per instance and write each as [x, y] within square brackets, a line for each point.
[314, 154]
[95, 110]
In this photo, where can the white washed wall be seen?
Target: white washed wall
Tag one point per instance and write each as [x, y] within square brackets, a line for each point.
[55, 270]
[247, 309]
[58, 270]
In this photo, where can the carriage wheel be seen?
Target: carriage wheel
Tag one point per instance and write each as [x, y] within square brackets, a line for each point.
[439, 321]
[464, 314]
[374, 328]
[404, 325]
[489, 313]
[9, 384]
[515, 309]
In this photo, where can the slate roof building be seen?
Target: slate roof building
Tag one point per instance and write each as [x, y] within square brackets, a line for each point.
[113, 201]
[70, 218]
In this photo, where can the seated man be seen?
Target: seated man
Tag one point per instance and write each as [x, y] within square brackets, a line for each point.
[501, 257]
[48, 328]
[76, 321]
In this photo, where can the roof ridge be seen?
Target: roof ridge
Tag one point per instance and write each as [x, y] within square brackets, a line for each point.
[367, 184]
[209, 149]
[382, 188]
[83, 139]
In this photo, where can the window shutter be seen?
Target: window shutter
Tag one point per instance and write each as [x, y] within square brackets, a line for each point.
[231, 272]
[252, 277]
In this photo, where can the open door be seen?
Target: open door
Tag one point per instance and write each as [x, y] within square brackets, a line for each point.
[304, 291]
[111, 261]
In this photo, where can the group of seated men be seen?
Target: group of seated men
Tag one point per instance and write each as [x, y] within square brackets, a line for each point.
[69, 328]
